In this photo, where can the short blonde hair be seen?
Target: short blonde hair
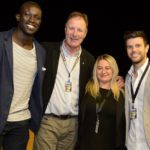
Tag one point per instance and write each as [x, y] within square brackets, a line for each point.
[78, 14]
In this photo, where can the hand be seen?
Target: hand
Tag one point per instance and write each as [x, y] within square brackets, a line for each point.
[120, 81]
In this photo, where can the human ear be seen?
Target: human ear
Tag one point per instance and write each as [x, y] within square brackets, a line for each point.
[18, 17]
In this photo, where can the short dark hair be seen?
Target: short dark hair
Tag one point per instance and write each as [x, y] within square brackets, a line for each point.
[79, 14]
[134, 34]
[31, 3]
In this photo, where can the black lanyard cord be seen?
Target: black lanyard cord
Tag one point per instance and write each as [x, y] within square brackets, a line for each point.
[137, 89]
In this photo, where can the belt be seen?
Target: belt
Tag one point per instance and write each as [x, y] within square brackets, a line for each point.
[63, 117]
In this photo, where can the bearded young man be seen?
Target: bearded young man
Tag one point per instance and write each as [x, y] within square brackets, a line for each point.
[137, 95]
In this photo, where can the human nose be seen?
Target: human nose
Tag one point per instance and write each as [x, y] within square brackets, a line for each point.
[31, 19]
[75, 32]
[103, 70]
[134, 48]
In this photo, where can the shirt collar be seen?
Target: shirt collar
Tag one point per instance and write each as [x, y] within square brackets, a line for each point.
[140, 70]
[66, 52]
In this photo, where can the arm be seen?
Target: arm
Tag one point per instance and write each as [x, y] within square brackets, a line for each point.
[120, 81]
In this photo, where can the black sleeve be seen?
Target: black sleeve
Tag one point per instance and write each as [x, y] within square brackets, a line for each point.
[80, 145]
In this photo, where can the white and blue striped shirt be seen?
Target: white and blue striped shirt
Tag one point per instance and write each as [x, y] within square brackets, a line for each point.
[24, 71]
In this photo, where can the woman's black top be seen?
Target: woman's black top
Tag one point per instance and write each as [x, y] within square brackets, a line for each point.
[111, 130]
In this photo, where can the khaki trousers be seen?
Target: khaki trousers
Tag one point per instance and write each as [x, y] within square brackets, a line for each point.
[56, 134]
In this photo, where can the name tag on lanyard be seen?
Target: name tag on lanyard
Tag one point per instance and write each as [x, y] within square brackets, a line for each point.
[133, 113]
[133, 110]
[68, 86]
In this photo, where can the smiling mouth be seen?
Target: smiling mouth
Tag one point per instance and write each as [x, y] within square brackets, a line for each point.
[134, 55]
[31, 27]
[104, 76]
[73, 39]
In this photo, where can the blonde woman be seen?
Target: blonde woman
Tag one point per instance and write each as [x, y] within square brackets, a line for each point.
[102, 109]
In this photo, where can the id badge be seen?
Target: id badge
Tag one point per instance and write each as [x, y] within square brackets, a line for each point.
[97, 125]
[68, 86]
[133, 113]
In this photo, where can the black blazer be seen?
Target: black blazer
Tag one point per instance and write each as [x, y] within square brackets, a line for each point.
[53, 52]
[7, 85]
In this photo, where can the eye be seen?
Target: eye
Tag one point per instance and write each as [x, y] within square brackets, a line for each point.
[71, 28]
[37, 17]
[80, 30]
[138, 45]
[129, 47]
[108, 68]
[27, 14]
[99, 68]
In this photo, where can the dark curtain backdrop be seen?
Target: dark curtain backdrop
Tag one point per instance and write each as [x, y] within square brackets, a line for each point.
[107, 23]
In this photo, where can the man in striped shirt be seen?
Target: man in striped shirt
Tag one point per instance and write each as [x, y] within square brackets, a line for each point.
[21, 75]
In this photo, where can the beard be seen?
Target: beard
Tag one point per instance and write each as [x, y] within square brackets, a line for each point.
[138, 61]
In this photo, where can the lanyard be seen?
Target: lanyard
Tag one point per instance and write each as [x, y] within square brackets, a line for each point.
[99, 106]
[64, 60]
[98, 110]
[137, 89]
